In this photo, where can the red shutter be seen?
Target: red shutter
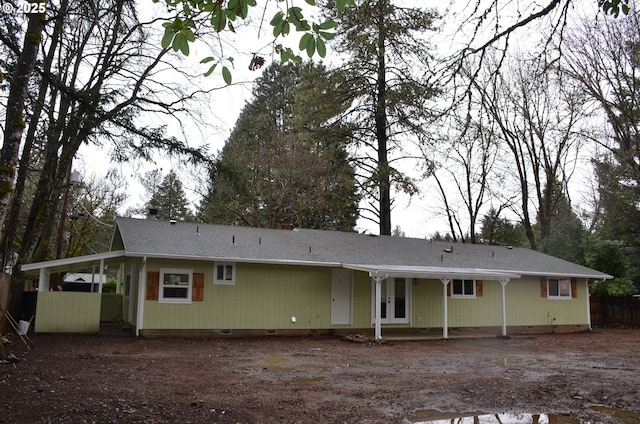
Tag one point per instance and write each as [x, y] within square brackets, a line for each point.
[574, 288]
[543, 286]
[197, 290]
[478, 288]
[153, 285]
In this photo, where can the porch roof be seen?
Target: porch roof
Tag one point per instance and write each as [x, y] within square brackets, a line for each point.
[440, 273]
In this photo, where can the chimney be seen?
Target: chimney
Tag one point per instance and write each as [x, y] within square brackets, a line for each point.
[285, 227]
[152, 213]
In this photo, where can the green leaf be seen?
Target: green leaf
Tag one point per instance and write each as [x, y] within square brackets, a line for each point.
[321, 47]
[341, 4]
[305, 40]
[208, 59]
[311, 2]
[184, 46]
[327, 24]
[277, 19]
[218, 19]
[188, 35]
[211, 69]
[327, 35]
[311, 47]
[167, 39]
[226, 75]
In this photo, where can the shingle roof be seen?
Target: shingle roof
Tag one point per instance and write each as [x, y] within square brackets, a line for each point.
[155, 238]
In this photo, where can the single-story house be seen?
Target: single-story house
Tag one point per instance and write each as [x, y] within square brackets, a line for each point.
[180, 278]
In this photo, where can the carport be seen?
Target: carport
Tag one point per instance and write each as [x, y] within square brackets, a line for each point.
[70, 311]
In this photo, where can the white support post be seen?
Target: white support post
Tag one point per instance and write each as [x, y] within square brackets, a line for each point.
[588, 296]
[378, 311]
[503, 284]
[142, 287]
[100, 276]
[445, 313]
[44, 281]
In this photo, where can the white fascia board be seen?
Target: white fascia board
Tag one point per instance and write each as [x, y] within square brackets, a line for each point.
[234, 259]
[440, 273]
[74, 262]
[599, 276]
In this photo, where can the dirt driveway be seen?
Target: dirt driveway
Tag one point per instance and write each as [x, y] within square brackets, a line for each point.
[585, 377]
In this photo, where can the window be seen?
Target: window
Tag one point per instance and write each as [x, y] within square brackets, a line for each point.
[224, 273]
[127, 286]
[463, 288]
[175, 285]
[559, 288]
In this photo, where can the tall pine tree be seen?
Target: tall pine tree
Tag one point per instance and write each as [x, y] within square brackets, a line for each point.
[285, 162]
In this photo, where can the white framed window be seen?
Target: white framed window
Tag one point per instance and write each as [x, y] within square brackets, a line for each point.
[463, 288]
[224, 273]
[559, 288]
[175, 285]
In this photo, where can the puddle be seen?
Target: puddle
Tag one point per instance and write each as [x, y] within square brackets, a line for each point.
[435, 417]
[626, 417]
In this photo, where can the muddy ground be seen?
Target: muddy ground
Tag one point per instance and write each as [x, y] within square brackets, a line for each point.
[585, 377]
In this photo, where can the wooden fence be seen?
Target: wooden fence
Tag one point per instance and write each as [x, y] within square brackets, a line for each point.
[615, 311]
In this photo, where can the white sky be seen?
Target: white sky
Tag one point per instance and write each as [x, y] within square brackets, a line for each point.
[417, 217]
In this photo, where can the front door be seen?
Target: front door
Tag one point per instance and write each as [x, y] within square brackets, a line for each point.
[394, 301]
[341, 297]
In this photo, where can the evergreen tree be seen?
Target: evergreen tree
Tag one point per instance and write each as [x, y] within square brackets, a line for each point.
[169, 199]
[285, 161]
[388, 61]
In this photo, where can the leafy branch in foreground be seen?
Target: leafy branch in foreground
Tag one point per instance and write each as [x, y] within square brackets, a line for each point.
[222, 15]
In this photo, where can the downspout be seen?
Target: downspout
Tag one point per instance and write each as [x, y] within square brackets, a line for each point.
[503, 284]
[142, 285]
[445, 313]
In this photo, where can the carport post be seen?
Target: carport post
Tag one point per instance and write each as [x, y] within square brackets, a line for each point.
[503, 283]
[44, 280]
[445, 313]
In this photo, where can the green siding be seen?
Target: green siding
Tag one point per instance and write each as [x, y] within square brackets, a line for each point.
[263, 297]
[68, 312]
[362, 289]
[524, 305]
[267, 296]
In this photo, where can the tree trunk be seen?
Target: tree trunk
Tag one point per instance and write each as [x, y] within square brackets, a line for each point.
[384, 178]
[14, 124]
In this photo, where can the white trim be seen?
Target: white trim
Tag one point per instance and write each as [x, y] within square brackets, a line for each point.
[161, 286]
[422, 272]
[85, 261]
[559, 296]
[474, 295]
[224, 282]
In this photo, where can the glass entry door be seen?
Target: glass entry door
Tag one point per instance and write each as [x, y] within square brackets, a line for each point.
[394, 301]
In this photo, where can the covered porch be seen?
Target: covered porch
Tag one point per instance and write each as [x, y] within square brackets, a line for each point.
[380, 273]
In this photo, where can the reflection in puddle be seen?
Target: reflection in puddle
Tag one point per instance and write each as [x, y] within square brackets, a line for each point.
[435, 417]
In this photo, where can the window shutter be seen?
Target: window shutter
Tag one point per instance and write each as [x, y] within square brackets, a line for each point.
[449, 288]
[543, 286]
[478, 288]
[197, 290]
[153, 285]
[574, 288]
